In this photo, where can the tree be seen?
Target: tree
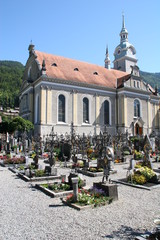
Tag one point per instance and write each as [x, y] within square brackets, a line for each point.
[15, 124]
[21, 124]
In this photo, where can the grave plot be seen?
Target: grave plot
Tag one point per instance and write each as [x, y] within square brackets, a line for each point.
[61, 188]
[99, 195]
[122, 150]
[11, 160]
[30, 174]
[141, 173]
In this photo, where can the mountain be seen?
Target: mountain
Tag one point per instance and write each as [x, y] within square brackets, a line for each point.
[152, 78]
[11, 74]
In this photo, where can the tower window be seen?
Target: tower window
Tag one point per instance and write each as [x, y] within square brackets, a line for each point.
[76, 69]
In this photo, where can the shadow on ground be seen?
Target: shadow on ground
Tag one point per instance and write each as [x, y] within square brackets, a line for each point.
[125, 233]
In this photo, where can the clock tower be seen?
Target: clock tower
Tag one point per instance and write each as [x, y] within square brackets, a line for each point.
[124, 54]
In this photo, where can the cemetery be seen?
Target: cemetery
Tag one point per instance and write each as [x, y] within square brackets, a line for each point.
[84, 172]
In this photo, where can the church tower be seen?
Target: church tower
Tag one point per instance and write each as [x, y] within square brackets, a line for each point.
[125, 53]
[107, 60]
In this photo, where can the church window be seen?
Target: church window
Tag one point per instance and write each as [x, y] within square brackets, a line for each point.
[136, 108]
[76, 69]
[106, 112]
[61, 108]
[85, 110]
[134, 83]
[137, 84]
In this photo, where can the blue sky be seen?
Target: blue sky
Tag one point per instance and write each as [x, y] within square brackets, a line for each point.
[80, 29]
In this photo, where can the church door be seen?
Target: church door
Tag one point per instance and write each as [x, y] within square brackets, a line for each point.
[138, 130]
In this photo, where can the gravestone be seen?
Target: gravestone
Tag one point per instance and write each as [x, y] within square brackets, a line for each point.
[118, 154]
[109, 189]
[136, 145]
[75, 188]
[72, 175]
[53, 171]
[27, 160]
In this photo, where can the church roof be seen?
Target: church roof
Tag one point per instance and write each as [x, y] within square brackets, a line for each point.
[62, 68]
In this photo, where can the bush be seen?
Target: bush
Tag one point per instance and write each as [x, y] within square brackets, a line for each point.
[148, 173]
[80, 163]
[139, 179]
[39, 173]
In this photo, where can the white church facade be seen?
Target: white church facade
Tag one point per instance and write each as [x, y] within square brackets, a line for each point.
[57, 91]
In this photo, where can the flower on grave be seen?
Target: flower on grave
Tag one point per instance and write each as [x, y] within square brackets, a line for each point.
[70, 197]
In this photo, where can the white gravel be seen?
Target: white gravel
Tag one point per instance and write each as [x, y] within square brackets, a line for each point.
[28, 214]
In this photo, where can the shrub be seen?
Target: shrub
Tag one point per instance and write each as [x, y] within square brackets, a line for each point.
[93, 169]
[148, 173]
[59, 187]
[80, 182]
[39, 173]
[139, 179]
[80, 163]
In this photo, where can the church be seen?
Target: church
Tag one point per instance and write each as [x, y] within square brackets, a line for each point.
[57, 91]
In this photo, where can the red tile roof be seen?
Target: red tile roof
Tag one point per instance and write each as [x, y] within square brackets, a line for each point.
[58, 67]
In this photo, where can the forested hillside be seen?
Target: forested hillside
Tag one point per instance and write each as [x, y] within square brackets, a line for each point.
[152, 78]
[11, 74]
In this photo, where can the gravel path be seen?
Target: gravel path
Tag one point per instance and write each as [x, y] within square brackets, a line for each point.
[28, 214]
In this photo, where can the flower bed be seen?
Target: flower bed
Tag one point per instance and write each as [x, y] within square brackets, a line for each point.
[142, 175]
[57, 187]
[7, 160]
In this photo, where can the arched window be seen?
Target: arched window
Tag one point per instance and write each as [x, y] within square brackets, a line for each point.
[85, 110]
[106, 112]
[136, 108]
[61, 108]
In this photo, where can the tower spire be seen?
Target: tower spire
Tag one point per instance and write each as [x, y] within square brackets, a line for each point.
[123, 21]
[124, 32]
[107, 59]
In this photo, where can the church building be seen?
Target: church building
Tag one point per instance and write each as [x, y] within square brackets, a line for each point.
[57, 91]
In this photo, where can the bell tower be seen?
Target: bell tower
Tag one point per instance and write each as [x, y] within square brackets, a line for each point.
[125, 53]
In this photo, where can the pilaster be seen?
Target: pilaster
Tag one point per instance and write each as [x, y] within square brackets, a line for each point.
[49, 106]
[43, 106]
[75, 108]
[97, 110]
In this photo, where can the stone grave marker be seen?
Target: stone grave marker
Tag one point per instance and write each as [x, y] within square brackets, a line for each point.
[75, 188]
